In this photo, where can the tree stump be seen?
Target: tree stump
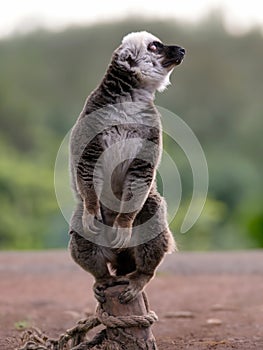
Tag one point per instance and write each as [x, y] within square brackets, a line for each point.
[130, 337]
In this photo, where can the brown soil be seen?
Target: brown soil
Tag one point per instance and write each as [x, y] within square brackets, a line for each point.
[47, 290]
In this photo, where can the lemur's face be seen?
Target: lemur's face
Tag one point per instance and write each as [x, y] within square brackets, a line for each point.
[168, 55]
[153, 61]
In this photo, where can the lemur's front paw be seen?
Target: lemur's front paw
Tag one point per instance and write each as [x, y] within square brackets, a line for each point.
[92, 223]
[95, 211]
[122, 237]
[123, 232]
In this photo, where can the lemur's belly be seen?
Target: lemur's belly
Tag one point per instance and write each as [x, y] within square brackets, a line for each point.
[121, 145]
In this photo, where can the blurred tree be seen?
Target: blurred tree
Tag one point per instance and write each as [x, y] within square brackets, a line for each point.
[255, 228]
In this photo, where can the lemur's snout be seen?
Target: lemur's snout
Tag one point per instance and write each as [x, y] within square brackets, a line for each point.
[182, 50]
[173, 55]
[174, 51]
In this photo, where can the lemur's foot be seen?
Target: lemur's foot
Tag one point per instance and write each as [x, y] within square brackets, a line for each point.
[102, 284]
[137, 282]
[130, 292]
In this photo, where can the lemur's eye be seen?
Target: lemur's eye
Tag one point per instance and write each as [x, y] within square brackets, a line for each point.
[155, 46]
[152, 47]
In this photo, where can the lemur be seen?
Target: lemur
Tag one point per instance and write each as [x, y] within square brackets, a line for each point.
[119, 230]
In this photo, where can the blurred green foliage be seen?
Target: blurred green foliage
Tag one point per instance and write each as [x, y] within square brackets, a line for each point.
[45, 78]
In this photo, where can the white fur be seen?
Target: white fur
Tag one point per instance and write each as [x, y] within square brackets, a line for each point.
[139, 39]
[148, 64]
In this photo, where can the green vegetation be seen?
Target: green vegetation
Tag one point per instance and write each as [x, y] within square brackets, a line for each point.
[45, 78]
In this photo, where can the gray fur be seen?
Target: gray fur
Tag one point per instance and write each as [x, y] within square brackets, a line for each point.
[115, 148]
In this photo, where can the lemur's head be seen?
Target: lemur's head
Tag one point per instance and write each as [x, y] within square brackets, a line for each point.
[144, 54]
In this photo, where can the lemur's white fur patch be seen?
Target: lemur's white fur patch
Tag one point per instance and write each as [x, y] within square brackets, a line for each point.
[149, 64]
[139, 38]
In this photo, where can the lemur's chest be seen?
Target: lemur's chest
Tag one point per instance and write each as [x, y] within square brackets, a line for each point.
[123, 140]
[121, 144]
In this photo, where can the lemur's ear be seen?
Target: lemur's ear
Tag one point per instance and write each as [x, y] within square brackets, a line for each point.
[127, 58]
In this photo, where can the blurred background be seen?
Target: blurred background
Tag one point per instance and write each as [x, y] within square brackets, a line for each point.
[52, 54]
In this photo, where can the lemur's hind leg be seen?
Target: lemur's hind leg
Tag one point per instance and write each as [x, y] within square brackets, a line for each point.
[89, 256]
[149, 254]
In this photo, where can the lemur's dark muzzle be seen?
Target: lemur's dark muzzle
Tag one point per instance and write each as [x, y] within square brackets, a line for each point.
[173, 55]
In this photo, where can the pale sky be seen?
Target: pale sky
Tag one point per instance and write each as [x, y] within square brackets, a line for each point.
[24, 15]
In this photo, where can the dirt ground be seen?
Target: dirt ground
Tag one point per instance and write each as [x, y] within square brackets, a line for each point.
[203, 300]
